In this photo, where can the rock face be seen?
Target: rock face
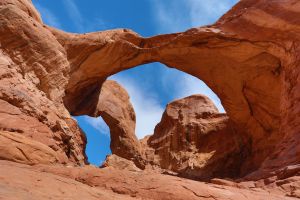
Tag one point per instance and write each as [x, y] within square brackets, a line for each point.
[249, 58]
[33, 72]
[197, 141]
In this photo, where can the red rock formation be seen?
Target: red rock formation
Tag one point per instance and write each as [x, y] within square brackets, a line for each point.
[244, 72]
[250, 59]
[113, 104]
[197, 141]
[34, 70]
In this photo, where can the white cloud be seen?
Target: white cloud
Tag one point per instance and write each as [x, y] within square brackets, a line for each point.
[83, 26]
[146, 105]
[203, 12]
[74, 14]
[187, 85]
[192, 85]
[167, 14]
[179, 15]
[48, 17]
[97, 123]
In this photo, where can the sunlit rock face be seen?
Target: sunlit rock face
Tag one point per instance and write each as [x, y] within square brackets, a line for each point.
[249, 58]
[34, 71]
[197, 141]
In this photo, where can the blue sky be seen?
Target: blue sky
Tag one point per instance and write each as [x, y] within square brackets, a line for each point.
[150, 86]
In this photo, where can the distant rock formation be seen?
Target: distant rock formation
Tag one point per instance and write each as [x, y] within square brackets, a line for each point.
[197, 141]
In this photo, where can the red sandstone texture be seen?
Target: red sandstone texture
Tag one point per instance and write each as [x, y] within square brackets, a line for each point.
[249, 58]
[110, 183]
[197, 141]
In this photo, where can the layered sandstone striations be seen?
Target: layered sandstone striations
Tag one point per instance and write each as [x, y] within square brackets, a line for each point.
[18, 148]
[249, 58]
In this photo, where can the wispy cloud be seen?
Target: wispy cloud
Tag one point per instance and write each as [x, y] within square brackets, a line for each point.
[97, 123]
[166, 14]
[74, 14]
[48, 17]
[179, 15]
[146, 105]
[203, 12]
[81, 25]
[192, 85]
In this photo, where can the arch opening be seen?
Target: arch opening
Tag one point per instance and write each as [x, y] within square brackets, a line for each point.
[98, 138]
[150, 87]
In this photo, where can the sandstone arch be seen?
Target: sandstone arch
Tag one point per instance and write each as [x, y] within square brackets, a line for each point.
[244, 72]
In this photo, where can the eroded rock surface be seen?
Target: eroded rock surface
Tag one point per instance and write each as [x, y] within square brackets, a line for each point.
[18, 148]
[110, 183]
[33, 72]
[197, 141]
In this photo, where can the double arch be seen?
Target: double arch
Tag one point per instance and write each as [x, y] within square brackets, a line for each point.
[245, 75]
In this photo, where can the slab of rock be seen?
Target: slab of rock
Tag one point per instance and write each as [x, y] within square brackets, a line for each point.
[33, 73]
[16, 147]
[23, 182]
[110, 183]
